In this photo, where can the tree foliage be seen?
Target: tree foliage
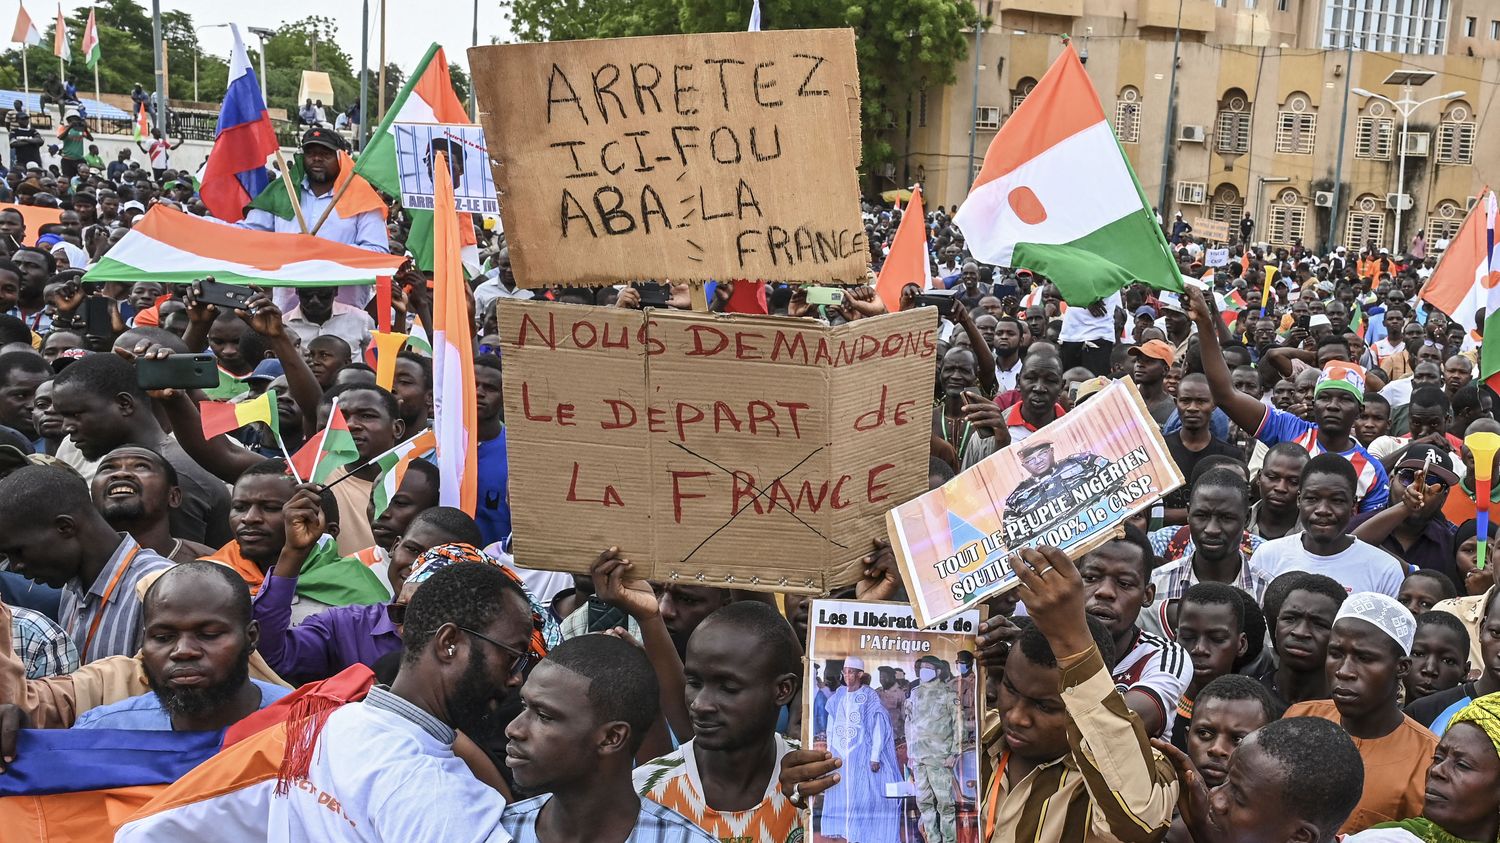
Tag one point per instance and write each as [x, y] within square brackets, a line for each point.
[901, 44]
[291, 50]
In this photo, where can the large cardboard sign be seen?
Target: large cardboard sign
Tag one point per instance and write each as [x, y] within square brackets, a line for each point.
[681, 157]
[900, 707]
[743, 452]
[1068, 485]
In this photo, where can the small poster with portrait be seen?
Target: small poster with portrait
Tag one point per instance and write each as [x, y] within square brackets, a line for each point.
[900, 706]
[417, 148]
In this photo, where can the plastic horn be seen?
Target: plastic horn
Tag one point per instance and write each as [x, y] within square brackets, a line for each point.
[1484, 447]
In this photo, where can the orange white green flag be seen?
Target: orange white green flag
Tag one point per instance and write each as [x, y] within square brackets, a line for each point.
[1461, 281]
[1057, 195]
[455, 416]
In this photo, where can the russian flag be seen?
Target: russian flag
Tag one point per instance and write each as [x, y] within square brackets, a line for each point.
[236, 169]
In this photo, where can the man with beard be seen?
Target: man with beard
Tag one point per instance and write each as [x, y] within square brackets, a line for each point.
[21, 372]
[196, 654]
[321, 166]
[743, 667]
[103, 408]
[1337, 400]
[389, 758]
[51, 533]
[1326, 503]
[587, 708]
[1369, 653]
[135, 489]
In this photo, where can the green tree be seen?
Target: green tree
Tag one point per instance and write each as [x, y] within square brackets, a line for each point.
[292, 49]
[460, 82]
[897, 42]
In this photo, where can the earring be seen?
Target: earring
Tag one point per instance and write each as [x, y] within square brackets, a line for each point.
[451, 649]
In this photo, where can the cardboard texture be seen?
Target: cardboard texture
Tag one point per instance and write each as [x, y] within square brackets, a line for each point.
[1216, 231]
[681, 157]
[734, 451]
[1069, 485]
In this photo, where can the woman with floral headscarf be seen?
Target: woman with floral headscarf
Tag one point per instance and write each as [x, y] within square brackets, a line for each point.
[1463, 785]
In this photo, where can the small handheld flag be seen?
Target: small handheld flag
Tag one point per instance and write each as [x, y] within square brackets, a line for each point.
[332, 450]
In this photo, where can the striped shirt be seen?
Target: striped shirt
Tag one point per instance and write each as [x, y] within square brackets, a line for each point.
[1110, 786]
[109, 611]
[674, 781]
[41, 645]
[654, 825]
[1160, 668]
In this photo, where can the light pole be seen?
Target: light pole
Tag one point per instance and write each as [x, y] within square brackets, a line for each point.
[1166, 142]
[1407, 106]
[262, 33]
[974, 107]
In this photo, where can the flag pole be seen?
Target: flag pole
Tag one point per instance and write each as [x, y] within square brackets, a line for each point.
[291, 190]
[338, 194]
[290, 466]
[323, 439]
[98, 125]
[25, 72]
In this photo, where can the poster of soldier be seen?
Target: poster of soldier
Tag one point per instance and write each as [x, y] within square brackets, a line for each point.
[1068, 486]
[899, 705]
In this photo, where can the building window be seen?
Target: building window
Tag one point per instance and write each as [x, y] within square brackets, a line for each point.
[1469, 26]
[1366, 222]
[1375, 134]
[1232, 135]
[1128, 115]
[1019, 93]
[1286, 220]
[1456, 134]
[987, 118]
[1296, 126]
[922, 108]
[1281, 5]
[1394, 26]
[1227, 206]
[1444, 221]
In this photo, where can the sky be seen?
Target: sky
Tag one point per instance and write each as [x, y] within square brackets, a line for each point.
[411, 25]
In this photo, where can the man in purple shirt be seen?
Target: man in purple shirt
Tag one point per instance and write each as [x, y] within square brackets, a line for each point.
[331, 640]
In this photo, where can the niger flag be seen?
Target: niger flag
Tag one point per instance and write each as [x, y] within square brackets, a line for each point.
[1057, 196]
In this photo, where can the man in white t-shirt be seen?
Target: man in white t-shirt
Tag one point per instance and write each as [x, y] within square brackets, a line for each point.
[1088, 334]
[1326, 501]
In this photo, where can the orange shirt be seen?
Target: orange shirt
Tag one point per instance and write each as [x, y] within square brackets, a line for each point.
[672, 781]
[1395, 768]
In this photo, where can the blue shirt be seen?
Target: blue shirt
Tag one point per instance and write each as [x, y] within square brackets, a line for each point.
[145, 712]
[1374, 486]
[656, 824]
[493, 511]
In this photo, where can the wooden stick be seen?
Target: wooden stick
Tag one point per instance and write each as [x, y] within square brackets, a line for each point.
[698, 296]
[292, 191]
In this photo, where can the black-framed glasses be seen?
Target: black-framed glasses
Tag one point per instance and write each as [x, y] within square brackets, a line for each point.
[396, 612]
[522, 657]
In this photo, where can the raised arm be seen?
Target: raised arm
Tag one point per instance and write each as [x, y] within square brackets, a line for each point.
[1243, 410]
[635, 598]
[265, 319]
[303, 650]
[984, 357]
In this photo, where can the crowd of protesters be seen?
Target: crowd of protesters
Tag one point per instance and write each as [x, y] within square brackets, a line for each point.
[1299, 644]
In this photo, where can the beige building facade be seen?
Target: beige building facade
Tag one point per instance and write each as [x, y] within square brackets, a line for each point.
[1264, 91]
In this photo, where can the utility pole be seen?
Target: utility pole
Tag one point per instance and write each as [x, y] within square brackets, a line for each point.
[382, 61]
[161, 67]
[1338, 163]
[1166, 141]
[364, 75]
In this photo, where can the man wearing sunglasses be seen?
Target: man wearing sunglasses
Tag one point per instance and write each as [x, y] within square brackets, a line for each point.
[1414, 528]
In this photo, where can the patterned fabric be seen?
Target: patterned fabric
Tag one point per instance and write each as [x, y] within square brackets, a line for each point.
[546, 633]
[1484, 713]
[41, 645]
[673, 781]
[654, 825]
[108, 611]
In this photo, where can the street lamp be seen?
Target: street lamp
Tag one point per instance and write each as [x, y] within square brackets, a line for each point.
[262, 33]
[1407, 106]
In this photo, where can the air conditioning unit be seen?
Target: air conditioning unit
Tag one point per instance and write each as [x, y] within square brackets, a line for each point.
[1192, 134]
[1323, 198]
[1398, 201]
[888, 170]
[1191, 193]
[1414, 144]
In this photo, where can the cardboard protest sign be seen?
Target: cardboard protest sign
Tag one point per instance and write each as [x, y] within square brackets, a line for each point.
[898, 744]
[1215, 230]
[1068, 485]
[735, 451]
[468, 166]
[1216, 257]
[682, 157]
